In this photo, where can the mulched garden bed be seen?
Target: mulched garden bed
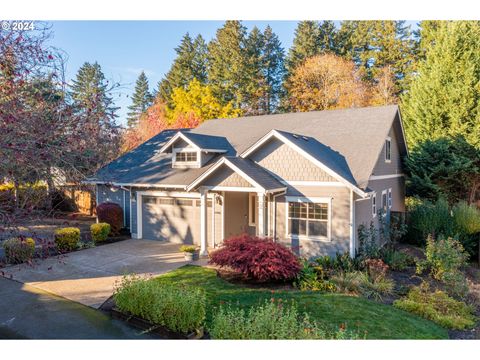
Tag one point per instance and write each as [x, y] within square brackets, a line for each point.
[235, 278]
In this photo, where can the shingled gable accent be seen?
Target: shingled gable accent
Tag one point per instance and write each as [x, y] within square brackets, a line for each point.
[293, 140]
[253, 174]
[199, 142]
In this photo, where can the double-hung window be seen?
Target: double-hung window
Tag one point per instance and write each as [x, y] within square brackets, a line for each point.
[390, 198]
[374, 204]
[308, 218]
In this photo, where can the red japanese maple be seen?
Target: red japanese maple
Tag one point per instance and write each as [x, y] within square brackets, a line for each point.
[257, 258]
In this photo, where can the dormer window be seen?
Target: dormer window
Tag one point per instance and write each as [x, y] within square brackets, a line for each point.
[388, 149]
[186, 156]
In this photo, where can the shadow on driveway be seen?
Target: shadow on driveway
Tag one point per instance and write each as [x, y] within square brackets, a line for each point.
[27, 312]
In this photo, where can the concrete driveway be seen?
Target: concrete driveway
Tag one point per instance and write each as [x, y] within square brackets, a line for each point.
[89, 276]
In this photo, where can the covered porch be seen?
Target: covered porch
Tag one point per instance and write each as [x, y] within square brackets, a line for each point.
[245, 192]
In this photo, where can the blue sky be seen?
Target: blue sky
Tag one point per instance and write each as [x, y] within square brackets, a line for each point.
[125, 48]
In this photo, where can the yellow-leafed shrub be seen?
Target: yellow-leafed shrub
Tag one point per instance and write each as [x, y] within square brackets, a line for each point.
[67, 239]
[100, 232]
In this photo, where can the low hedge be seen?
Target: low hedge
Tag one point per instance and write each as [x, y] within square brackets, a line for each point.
[66, 239]
[177, 308]
[19, 250]
[99, 232]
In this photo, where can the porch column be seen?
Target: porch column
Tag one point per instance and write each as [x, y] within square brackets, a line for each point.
[261, 214]
[203, 222]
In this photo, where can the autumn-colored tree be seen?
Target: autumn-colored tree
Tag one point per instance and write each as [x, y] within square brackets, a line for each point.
[325, 82]
[383, 91]
[151, 122]
[198, 99]
[45, 136]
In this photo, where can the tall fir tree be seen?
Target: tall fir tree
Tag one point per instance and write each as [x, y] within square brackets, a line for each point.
[90, 92]
[306, 43]
[141, 100]
[444, 98]
[228, 63]
[190, 63]
[255, 91]
[273, 68]
[374, 45]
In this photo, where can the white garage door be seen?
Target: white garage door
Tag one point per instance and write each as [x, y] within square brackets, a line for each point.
[172, 219]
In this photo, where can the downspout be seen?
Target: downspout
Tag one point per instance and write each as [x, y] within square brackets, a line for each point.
[274, 227]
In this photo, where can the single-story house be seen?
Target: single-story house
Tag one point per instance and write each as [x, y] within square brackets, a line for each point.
[308, 180]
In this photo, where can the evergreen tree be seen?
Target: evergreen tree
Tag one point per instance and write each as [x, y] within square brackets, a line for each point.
[328, 37]
[374, 45]
[90, 92]
[425, 36]
[273, 68]
[190, 63]
[141, 100]
[228, 63]
[306, 43]
[444, 98]
[255, 91]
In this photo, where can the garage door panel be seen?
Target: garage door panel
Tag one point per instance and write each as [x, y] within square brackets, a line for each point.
[173, 220]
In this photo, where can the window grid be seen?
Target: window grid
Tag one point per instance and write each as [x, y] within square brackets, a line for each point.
[308, 219]
[185, 156]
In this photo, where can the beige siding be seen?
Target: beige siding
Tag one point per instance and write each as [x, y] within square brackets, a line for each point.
[340, 222]
[236, 214]
[226, 177]
[383, 167]
[363, 208]
[287, 163]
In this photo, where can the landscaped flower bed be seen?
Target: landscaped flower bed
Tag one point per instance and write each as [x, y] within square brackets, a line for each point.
[335, 314]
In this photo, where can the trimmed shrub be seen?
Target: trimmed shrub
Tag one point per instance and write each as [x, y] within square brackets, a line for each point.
[66, 239]
[111, 213]
[444, 255]
[99, 232]
[19, 250]
[271, 320]
[176, 307]
[257, 258]
[376, 268]
[437, 307]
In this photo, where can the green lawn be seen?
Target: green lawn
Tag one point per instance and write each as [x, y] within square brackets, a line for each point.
[377, 320]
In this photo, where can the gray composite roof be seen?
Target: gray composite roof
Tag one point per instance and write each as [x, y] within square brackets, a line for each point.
[256, 172]
[204, 141]
[348, 141]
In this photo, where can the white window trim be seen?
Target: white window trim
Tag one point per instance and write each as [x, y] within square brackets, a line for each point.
[252, 201]
[390, 198]
[324, 200]
[176, 163]
[389, 140]
[374, 204]
[384, 206]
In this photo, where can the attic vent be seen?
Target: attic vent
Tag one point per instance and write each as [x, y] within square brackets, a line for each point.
[295, 136]
[305, 138]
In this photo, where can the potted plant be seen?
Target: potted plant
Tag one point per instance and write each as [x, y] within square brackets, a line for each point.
[189, 251]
